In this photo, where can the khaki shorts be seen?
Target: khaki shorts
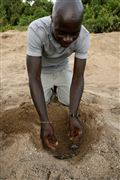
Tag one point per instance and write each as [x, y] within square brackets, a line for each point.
[62, 79]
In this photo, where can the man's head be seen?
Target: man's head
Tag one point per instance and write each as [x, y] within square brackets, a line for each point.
[66, 21]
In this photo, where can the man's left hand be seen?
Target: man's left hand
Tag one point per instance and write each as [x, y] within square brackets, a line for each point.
[76, 128]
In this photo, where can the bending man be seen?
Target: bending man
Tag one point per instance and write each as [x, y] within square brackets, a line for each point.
[51, 40]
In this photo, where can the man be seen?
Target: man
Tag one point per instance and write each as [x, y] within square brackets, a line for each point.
[50, 41]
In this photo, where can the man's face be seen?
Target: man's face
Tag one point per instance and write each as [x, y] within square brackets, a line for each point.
[65, 32]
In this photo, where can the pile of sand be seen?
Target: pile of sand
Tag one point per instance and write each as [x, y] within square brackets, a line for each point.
[22, 155]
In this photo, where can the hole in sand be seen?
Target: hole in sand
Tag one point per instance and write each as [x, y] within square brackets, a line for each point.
[25, 120]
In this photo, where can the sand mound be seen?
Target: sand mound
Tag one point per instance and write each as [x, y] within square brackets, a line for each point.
[22, 155]
[25, 120]
[21, 145]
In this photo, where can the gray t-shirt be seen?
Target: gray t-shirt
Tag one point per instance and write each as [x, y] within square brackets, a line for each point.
[54, 57]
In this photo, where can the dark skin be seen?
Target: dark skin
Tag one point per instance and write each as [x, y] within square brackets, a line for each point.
[34, 71]
[77, 86]
[65, 32]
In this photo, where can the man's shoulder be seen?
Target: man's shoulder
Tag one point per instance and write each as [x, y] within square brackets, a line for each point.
[83, 37]
[41, 23]
[84, 32]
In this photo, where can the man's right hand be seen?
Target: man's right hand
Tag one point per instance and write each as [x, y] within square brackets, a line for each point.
[47, 136]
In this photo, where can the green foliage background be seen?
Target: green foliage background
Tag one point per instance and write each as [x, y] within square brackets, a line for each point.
[99, 15]
[102, 15]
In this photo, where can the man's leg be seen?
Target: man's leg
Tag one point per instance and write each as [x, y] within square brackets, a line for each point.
[47, 83]
[63, 83]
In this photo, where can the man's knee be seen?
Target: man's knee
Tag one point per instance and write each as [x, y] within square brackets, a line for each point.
[64, 95]
[47, 96]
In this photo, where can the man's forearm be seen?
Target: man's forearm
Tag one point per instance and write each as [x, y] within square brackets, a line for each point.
[76, 91]
[38, 97]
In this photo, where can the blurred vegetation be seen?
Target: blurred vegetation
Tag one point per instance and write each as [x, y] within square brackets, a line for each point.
[99, 15]
[15, 13]
[102, 15]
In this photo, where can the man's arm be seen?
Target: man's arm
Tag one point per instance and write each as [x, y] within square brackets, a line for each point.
[77, 85]
[34, 74]
[76, 91]
[36, 89]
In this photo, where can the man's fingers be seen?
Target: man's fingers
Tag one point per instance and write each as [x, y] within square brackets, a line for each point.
[56, 143]
[71, 135]
[53, 140]
[75, 134]
[51, 143]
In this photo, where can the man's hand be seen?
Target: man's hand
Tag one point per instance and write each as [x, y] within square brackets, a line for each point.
[76, 128]
[47, 136]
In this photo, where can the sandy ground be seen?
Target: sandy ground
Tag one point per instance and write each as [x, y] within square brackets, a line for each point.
[21, 154]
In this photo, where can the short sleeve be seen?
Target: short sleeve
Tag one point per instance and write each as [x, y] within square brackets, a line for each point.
[34, 44]
[82, 47]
